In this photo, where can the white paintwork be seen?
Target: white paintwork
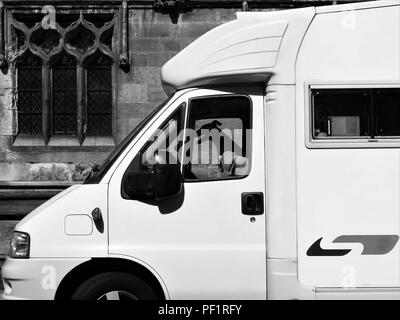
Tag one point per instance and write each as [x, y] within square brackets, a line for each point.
[47, 225]
[78, 225]
[257, 45]
[347, 191]
[283, 283]
[36, 278]
[207, 235]
[280, 153]
[207, 248]
[358, 294]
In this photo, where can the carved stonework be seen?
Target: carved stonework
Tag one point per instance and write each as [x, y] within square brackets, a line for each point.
[172, 7]
[124, 55]
[79, 38]
[3, 61]
[49, 67]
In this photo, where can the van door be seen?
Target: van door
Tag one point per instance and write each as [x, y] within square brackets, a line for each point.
[208, 243]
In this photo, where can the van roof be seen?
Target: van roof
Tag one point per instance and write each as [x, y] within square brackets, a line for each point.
[256, 47]
[357, 6]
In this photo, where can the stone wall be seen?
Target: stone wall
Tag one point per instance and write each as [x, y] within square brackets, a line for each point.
[153, 39]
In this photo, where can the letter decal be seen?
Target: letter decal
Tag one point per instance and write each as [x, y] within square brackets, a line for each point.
[372, 245]
[316, 251]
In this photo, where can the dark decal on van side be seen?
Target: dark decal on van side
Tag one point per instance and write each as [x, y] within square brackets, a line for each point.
[372, 245]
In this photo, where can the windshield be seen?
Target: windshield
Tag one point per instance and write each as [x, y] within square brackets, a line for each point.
[98, 172]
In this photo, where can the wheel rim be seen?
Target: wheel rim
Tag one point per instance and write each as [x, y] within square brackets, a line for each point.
[118, 295]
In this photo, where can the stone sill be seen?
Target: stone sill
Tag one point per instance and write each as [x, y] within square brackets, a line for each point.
[63, 143]
[33, 184]
[32, 189]
[191, 3]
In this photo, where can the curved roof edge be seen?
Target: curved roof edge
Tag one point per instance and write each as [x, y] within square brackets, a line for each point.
[358, 6]
[259, 44]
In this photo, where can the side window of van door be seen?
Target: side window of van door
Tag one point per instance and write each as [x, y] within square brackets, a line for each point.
[218, 139]
[163, 146]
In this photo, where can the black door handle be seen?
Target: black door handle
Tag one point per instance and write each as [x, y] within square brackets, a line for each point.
[253, 203]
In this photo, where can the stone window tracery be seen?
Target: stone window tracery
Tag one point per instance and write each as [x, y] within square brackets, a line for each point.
[66, 71]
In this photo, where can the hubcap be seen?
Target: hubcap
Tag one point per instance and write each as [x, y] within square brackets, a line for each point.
[118, 295]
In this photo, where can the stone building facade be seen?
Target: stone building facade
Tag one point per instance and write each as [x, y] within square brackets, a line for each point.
[77, 76]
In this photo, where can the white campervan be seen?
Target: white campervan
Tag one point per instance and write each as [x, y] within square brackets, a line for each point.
[272, 171]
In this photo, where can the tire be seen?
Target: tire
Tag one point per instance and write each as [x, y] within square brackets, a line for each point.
[114, 286]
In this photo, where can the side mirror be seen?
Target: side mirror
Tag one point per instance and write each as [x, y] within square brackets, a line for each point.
[162, 182]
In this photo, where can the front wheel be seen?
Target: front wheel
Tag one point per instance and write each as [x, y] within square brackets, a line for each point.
[114, 286]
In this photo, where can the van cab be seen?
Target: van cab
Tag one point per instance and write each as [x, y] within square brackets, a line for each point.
[272, 171]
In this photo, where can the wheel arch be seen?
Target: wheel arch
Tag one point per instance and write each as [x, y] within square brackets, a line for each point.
[96, 266]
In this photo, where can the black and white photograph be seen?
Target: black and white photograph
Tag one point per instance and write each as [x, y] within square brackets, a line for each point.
[182, 151]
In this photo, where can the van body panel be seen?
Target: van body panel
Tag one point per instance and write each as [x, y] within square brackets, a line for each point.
[206, 242]
[331, 220]
[249, 49]
[35, 278]
[347, 192]
[281, 181]
[283, 283]
[358, 294]
[53, 241]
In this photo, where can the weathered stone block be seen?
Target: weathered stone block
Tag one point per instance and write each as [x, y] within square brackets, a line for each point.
[7, 98]
[153, 59]
[165, 56]
[210, 26]
[133, 92]
[145, 109]
[185, 30]
[139, 59]
[155, 94]
[227, 15]
[6, 230]
[127, 110]
[5, 80]
[16, 171]
[50, 172]
[185, 42]
[46, 155]
[5, 142]
[147, 16]
[125, 127]
[81, 171]
[170, 44]
[6, 121]
[210, 15]
[148, 75]
[150, 30]
[146, 44]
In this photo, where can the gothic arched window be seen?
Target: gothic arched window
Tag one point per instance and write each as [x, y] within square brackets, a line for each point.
[64, 97]
[99, 96]
[29, 79]
[64, 78]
